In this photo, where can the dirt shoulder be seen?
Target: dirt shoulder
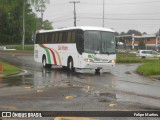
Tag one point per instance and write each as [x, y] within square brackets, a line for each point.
[155, 77]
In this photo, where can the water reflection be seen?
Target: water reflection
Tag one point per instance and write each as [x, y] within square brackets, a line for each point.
[16, 81]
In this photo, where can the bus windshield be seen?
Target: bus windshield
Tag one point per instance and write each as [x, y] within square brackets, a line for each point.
[99, 42]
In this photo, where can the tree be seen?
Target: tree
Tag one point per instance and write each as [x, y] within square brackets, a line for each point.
[144, 33]
[141, 45]
[11, 24]
[36, 2]
[122, 33]
[47, 25]
[11, 21]
[130, 32]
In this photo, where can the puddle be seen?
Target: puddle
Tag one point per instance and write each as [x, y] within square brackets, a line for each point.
[110, 95]
[107, 97]
[16, 81]
[101, 96]
[104, 100]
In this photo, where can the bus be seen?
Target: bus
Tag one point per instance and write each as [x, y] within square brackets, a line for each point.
[88, 48]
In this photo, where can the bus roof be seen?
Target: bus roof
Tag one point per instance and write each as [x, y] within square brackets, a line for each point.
[79, 27]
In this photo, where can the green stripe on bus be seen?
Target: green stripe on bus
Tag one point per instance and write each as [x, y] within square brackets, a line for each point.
[47, 52]
[90, 56]
[48, 55]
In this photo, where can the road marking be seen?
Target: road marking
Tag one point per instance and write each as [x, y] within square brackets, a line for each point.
[9, 107]
[112, 105]
[40, 91]
[69, 97]
[73, 118]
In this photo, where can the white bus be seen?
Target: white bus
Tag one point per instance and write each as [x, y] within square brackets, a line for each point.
[76, 47]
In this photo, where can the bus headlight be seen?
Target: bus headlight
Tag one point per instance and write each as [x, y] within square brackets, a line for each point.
[88, 60]
[112, 61]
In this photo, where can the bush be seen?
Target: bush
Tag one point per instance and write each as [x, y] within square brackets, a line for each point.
[150, 68]
[128, 60]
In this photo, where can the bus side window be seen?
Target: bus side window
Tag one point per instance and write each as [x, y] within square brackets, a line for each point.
[69, 37]
[42, 38]
[38, 38]
[53, 40]
[45, 39]
[73, 37]
[64, 37]
[56, 37]
[60, 37]
[49, 38]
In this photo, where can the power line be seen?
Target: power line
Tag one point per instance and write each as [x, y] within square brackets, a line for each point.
[154, 13]
[96, 18]
[74, 2]
[61, 17]
[136, 3]
[61, 20]
[115, 18]
[132, 3]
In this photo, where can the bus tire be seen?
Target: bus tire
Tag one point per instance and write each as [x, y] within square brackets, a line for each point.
[97, 70]
[70, 65]
[45, 65]
[143, 57]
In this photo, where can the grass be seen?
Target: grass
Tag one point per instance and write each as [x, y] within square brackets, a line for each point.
[149, 68]
[128, 60]
[120, 59]
[8, 69]
[19, 47]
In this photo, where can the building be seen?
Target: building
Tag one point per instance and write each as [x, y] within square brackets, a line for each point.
[151, 41]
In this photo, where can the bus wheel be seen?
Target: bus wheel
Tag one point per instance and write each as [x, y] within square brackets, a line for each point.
[71, 65]
[45, 65]
[97, 70]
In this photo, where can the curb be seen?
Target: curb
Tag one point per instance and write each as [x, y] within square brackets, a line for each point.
[15, 74]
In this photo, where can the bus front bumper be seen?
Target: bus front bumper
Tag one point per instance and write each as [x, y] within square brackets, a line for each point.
[105, 66]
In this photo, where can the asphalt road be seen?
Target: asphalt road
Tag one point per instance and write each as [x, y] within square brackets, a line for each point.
[39, 89]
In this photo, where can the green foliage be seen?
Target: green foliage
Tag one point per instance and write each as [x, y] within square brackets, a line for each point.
[130, 32]
[141, 45]
[19, 47]
[8, 69]
[47, 25]
[131, 59]
[149, 68]
[11, 25]
[128, 60]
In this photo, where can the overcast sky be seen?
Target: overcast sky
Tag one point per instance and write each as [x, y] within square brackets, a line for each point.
[121, 15]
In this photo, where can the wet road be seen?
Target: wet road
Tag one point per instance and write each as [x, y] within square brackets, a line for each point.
[59, 90]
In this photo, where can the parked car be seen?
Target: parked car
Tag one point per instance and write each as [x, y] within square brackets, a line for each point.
[147, 54]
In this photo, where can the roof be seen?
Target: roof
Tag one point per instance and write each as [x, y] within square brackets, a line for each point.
[137, 36]
[79, 27]
[146, 36]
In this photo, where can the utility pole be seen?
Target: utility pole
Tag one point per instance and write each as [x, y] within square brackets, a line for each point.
[23, 31]
[103, 12]
[74, 2]
[41, 8]
[157, 40]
